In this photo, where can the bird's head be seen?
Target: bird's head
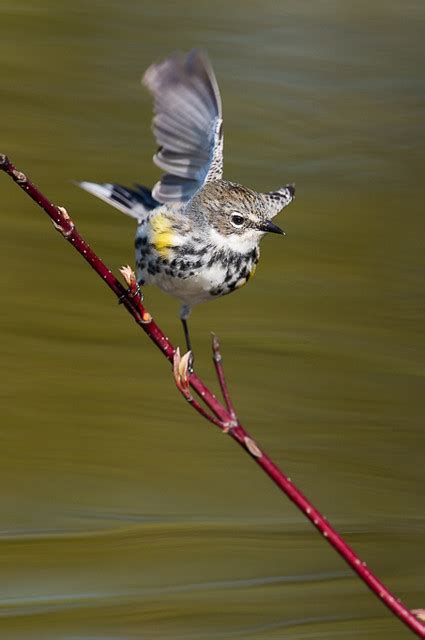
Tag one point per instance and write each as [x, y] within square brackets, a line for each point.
[240, 216]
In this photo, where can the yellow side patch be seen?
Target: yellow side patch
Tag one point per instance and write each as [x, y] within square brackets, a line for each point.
[162, 234]
[253, 270]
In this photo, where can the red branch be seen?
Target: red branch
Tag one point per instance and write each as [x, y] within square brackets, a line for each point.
[224, 416]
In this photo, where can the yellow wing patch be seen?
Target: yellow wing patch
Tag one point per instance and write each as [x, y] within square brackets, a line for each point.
[161, 234]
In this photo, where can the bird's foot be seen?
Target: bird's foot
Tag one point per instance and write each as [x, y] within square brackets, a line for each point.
[191, 362]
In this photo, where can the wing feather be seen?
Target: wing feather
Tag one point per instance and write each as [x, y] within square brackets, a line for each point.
[187, 125]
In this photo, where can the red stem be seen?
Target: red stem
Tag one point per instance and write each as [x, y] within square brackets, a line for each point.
[135, 307]
[200, 409]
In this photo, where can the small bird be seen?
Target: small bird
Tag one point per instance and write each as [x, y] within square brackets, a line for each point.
[198, 235]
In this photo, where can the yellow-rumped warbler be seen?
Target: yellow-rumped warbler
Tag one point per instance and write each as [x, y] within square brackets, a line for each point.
[198, 235]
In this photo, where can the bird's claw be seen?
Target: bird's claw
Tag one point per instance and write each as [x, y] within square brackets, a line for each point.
[191, 362]
[131, 293]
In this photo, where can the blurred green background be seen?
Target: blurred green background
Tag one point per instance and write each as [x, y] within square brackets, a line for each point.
[123, 514]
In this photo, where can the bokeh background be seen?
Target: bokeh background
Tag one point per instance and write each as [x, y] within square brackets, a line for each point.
[123, 515]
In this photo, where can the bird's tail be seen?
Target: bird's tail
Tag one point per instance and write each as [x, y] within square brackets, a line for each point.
[134, 202]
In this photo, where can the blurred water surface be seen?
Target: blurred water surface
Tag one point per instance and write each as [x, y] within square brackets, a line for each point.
[123, 515]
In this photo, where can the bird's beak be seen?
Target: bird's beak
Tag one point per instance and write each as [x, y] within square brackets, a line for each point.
[271, 228]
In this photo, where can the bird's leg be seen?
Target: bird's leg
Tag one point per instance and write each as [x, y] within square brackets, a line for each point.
[184, 314]
[188, 344]
[186, 334]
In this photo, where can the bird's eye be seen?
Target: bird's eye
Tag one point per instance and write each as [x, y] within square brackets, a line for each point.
[237, 220]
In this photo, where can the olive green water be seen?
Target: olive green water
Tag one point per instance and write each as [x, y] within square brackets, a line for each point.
[122, 514]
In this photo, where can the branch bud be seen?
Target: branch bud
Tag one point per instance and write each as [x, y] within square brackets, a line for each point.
[128, 275]
[181, 372]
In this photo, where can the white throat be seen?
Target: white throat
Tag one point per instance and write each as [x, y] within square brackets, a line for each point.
[236, 242]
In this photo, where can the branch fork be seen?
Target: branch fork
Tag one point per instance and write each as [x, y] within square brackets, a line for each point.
[221, 415]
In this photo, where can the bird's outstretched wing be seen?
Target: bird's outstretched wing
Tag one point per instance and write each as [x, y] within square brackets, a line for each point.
[187, 124]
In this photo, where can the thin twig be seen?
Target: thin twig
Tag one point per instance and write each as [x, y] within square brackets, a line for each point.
[132, 301]
[217, 359]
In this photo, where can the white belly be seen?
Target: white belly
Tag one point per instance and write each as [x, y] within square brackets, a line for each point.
[190, 290]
